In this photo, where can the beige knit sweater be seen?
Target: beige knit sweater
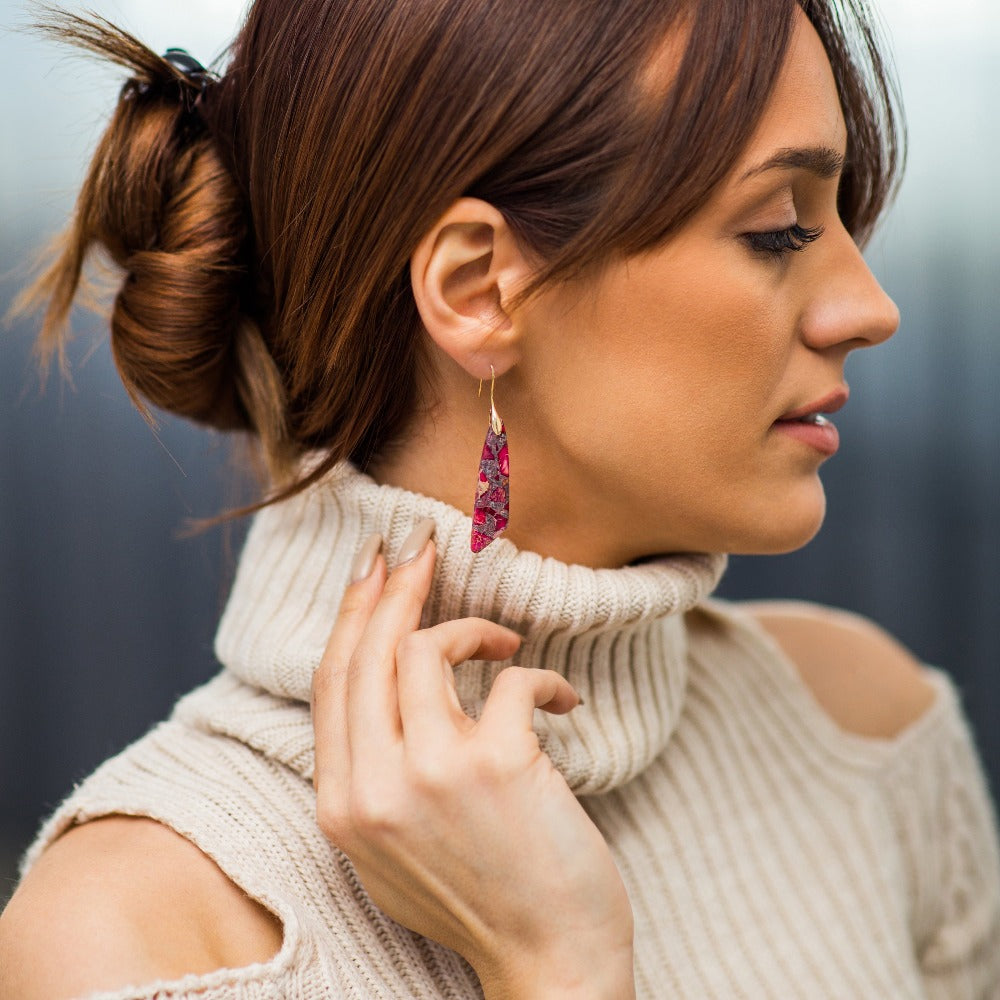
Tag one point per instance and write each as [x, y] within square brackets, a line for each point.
[769, 855]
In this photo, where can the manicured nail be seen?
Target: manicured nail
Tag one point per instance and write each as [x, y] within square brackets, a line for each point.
[364, 561]
[415, 541]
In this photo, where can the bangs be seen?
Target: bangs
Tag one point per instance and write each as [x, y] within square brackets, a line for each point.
[687, 129]
[691, 135]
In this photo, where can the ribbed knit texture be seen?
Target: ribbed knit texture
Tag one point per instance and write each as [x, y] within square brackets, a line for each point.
[768, 854]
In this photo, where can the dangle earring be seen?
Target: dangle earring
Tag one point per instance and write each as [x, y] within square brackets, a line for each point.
[492, 507]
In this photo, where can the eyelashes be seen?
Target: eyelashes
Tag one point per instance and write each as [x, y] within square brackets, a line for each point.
[783, 241]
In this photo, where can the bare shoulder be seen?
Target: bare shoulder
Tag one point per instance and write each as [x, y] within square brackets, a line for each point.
[866, 680]
[129, 901]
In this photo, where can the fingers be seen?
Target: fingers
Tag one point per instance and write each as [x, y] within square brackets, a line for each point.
[517, 692]
[425, 660]
[380, 674]
[330, 681]
[372, 704]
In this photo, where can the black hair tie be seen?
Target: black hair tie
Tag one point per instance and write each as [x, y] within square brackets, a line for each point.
[194, 73]
[185, 63]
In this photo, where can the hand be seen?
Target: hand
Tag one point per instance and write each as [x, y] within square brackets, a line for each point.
[462, 831]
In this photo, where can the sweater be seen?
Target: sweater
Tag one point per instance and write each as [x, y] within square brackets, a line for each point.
[768, 853]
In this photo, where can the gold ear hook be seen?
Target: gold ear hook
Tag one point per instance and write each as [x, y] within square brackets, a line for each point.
[495, 422]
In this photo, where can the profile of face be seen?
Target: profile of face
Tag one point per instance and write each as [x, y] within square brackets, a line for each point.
[641, 404]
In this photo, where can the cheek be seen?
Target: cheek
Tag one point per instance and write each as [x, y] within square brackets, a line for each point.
[701, 348]
[642, 410]
[660, 409]
[671, 377]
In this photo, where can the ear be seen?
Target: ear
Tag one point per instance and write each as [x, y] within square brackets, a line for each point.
[464, 271]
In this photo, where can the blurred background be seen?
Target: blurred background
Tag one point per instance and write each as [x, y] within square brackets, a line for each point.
[107, 615]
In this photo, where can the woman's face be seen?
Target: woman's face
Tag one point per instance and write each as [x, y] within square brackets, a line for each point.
[651, 398]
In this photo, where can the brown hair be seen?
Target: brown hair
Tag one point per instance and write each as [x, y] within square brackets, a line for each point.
[265, 226]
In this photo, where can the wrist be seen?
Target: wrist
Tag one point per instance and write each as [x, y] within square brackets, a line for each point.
[597, 974]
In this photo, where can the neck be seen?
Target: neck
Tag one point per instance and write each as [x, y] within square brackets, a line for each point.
[441, 459]
[618, 635]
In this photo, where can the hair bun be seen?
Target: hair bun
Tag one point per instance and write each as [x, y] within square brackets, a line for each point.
[171, 217]
[158, 198]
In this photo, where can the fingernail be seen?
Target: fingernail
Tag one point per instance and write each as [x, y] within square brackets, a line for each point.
[415, 541]
[364, 561]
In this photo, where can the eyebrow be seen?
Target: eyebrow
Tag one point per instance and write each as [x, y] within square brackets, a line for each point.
[822, 161]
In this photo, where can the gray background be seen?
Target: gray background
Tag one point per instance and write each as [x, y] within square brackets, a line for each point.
[106, 615]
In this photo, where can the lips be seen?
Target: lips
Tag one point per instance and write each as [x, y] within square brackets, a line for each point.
[805, 424]
[829, 403]
[822, 436]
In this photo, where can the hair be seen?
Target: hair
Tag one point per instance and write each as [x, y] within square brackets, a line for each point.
[264, 222]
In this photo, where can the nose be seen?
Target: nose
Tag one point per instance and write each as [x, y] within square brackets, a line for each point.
[849, 307]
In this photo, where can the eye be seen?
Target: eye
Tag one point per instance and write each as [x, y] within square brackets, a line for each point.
[783, 241]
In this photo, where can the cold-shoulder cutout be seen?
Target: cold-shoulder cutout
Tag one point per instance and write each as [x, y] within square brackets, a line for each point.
[123, 900]
[865, 680]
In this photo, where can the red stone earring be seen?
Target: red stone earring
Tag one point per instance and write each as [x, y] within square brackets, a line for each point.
[492, 508]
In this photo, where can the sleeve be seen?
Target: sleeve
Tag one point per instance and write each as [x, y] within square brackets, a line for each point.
[947, 824]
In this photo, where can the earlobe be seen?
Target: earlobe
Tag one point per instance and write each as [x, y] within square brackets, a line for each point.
[463, 273]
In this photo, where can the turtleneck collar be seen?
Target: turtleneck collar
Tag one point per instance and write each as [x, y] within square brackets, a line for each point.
[618, 635]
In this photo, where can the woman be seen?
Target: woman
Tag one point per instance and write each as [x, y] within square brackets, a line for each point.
[639, 224]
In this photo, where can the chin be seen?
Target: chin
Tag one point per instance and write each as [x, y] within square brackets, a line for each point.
[783, 526]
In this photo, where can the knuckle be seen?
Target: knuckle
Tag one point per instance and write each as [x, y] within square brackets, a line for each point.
[322, 682]
[327, 684]
[513, 679]
[412, 644]
[333, 819]
[433, 772]
[493, 763]
[485, 630]
[353, 604]
[355, 666]
[482, 626]
[372, 812]
[400, 590]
